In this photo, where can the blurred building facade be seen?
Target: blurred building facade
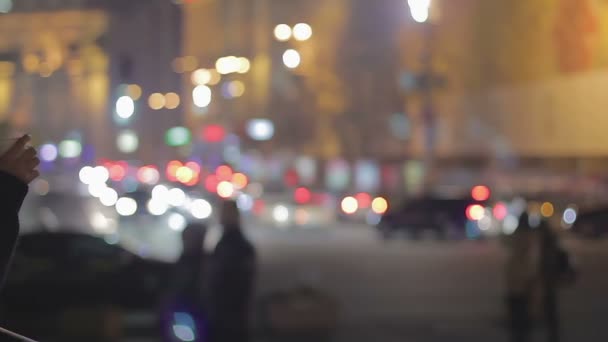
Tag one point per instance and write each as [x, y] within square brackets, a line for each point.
[523, 87]
[339, 103]
[64, 62]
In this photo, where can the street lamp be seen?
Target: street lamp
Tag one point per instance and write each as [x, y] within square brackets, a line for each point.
[419, 9]
[427, 81]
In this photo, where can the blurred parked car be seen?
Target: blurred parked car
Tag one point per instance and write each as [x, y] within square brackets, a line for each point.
[57, 273]
[591, 223]
[441, 216]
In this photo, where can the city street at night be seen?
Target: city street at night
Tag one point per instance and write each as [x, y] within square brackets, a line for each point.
[421, 290]
[303, 170]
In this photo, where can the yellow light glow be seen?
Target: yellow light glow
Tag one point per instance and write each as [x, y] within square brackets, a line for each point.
[236, 88]
[216, 77]
[171, 101]
[379, 205]
[134, 91]
[156, 101]
[547, 209]
[189, 63]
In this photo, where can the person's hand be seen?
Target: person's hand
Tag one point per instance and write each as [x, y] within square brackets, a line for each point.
[21, 161]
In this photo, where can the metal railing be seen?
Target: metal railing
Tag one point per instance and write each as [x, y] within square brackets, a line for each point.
[6, 332]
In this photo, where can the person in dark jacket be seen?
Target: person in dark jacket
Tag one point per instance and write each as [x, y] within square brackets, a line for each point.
[17, 169]
[520, 274]
[186, 288]
[231, 280]
[549, 266]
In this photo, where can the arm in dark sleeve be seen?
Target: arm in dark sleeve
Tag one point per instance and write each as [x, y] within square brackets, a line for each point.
[12, 194]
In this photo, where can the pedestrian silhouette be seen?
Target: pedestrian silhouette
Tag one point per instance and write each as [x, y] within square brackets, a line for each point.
[520, 277]
[556, 269]
[185, 311]
[231, 280]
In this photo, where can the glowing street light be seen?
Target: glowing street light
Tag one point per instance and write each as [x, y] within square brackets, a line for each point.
[419, 9]
[292, 59]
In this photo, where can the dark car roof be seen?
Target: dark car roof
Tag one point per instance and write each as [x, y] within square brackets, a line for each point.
[58, 243]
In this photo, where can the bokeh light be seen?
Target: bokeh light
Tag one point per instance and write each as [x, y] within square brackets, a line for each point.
[475, 212]
[172, 100]
[225, 189]
[176, 197]
[364, 200]
[126, 206]
[148, 175]
[349, 205]
[302, 32]
[213, 133]
[291, 58]
[224, 173]
[480, 193]
[125, 107]
[177, 222]
[201, 77]
[117, 172]
[41, 186]
[260, 129]
[280, 213]
[569, 216]
[228, 65]
[216, 77]
[282, 32]
[108, 197]
[244, 65]
[379, 205]
[156, 101]
[134, 91]
[201, 96]
[500, 211]
[189, 63]
[96, 189]
[178, 136]
[48, 152]
[85, 175]
[157, 207]
[239, 180]
[127, 141]
[233, 89]
[546, 209]
[201, 209]
[302, 195]
[70, 149]
[160, 192]
[211, 183]
[184, 174]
